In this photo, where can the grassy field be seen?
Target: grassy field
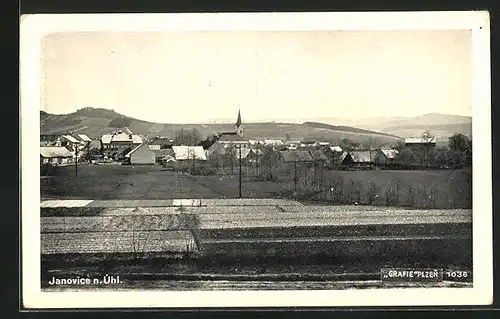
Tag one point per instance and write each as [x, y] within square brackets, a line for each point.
[423, 189]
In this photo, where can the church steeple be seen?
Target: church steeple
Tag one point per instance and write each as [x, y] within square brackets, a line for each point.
[238, 120]
[237, 126]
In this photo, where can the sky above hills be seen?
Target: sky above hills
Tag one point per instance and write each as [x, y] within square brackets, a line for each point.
[193, 77]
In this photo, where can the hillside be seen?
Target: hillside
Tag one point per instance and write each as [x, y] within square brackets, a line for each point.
[96, 122]
[440, 125]
[343, 128]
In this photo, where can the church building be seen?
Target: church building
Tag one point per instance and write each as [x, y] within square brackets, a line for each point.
[230, 140]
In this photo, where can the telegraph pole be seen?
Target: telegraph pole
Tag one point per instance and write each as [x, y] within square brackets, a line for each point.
[76, 160]
[193, 169]
[295, 175]
[314, 171]
[232, 164]
[270, 164]
[257, 160]
[240, 171]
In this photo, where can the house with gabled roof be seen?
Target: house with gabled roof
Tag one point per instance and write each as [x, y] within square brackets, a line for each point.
[70, 139]
[118, 142]
[163, 154]
[182, 153]
[318, 155]
[55, 155]
[84, 138]
[421, 141]
[295, 156]
[141, 154]
[248, 154]
[386, 156]
[359, 159]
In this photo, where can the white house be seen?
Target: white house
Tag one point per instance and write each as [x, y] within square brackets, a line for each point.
[189, 153]
[55, 155]
[141, 154]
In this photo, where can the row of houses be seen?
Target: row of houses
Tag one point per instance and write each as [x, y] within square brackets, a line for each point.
[63, 149]
[125, 146]
[142, 154]
[350, 159]
[368, 158]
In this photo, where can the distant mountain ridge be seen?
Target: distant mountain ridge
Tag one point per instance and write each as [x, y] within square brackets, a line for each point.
[96, 122]
[441, 125]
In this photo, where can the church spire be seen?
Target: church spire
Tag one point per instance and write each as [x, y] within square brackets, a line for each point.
[238, 121]
[238, 127]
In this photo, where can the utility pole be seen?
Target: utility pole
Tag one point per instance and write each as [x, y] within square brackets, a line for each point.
[270, 164]
[295, 175]
[239, 148]
[193, 169]
[232, 164]
[321, 176]
[257, 160]
[76, 160]
[314, 171]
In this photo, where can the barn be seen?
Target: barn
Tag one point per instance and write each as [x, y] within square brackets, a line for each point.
[141, 155]
[360, 159]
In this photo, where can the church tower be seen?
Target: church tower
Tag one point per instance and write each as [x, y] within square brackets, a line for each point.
[238, 126]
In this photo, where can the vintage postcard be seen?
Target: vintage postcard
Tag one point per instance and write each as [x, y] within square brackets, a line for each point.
[256, 160]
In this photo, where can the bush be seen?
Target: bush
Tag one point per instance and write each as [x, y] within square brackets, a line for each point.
[205, 171]
[411, 196]
[358, 189]
[336, 190]
[392, 193]
[349, 190]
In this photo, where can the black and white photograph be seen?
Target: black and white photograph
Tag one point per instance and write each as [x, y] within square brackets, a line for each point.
[324, 159]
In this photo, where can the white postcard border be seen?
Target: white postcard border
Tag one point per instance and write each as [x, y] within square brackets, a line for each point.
[34, 27]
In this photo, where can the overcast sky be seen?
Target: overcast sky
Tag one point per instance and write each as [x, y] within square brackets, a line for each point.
[175, 77]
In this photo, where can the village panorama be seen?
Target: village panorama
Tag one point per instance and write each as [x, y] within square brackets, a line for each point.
[223, 206]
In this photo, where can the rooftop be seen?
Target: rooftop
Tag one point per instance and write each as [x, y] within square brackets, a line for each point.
[161, 141]
[163, 152]
[231, 138]
[420, 140]
[49, 152]
[390, 153]
[133, 150]
[362, 156]
[121, 137]
[336, 148]
[84, 138]
[299, 156]
[71, 138]
[318, 155]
